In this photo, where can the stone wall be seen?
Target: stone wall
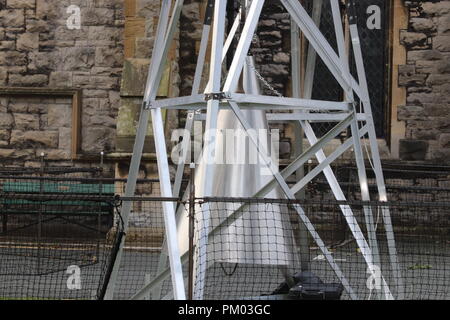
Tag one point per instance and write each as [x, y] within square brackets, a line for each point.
[426, 76]
[37, 49]
[30, 126]
[141, 20]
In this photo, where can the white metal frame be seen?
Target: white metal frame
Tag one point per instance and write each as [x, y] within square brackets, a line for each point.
[217, 97]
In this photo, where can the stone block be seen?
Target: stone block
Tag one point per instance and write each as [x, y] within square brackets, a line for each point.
[34, 138]
[422, 25]
[109, 57]
[411, 80]
[281, 57]
[35, 80]
[28, 42]
[5, 135]
[444, 140]
[36, 25]
[94, 16]
[438, 79]
[422, 97]
[12, 18]
[61, 79]
[134, 77]
[435, 8]
[7, 45]
[25, 121]
[413, 39]
[97, 139]
[13, 58]
[41, 61]
[65, 139]
[430, 55]
[105, 33]
[45, 10]
[435, 109]
[268, 70]
[143, 48]
[77, 58]
[16, 153]
[410, 112]
[21, 4]
[413, 150]
[150, 9]
[6, 121]
[134, 28]
[442, 43]
[53, 154]
[59, 116]
[3, 76]
[444, 24]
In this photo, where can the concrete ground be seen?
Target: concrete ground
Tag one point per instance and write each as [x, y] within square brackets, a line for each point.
[425, 269]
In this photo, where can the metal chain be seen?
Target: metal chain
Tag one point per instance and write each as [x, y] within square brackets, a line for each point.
[264, 81]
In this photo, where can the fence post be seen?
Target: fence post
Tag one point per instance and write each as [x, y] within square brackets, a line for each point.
[147, 280]
[191, 230]
[41, 210]
[100, 203]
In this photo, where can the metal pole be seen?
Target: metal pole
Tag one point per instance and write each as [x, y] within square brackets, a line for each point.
[356, 44]
[301, 237]
[205, 187]
[290, 195]
[161, 46]
[359, 157]
[99, 215]
[41, 210]
[251, 22]
[320, 44]
[191, 231]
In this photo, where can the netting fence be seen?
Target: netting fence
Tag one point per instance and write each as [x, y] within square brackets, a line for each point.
[250, 256]
[51, 224]
[55, 234]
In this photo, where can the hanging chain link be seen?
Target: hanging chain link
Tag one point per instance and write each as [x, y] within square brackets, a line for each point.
[264, 81]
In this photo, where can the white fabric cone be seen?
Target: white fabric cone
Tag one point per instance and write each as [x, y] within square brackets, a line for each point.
[262, 235]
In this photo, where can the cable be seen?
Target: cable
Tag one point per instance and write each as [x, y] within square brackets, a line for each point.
[225, 272]
[364, 139]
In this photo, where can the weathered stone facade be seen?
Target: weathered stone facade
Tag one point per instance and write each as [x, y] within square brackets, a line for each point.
[141, 19]
[30, 126]
[426, 76]
[38, 49]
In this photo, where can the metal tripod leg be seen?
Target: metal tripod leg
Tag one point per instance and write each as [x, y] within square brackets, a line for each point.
[261, 193]
[164, 35]
[351, 221]
[301, 235]
[290, 195]
[364, 188]
[156, 293]
[205, 187]
[374, 148]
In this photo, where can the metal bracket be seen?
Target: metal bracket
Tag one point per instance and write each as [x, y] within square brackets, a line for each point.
[351, 11]
[146, 105]
[217, 96]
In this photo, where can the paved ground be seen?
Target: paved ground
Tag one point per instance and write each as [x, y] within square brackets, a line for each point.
[425, 268]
